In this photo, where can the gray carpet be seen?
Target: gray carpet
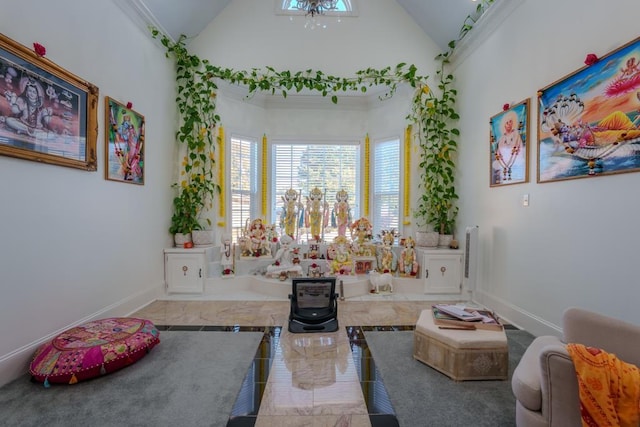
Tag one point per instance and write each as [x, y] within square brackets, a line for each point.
[422, 396]
[189, 379]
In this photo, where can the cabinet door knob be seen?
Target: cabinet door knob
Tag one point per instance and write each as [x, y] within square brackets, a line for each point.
[184, 270]
[426, 273]
[443, 269]
[200, 273]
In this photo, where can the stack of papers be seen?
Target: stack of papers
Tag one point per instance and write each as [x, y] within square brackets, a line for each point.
[466, 315]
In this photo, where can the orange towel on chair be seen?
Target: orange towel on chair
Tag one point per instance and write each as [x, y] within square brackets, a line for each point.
[609, 388]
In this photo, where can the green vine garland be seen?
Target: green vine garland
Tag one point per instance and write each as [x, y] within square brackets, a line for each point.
[431, 114]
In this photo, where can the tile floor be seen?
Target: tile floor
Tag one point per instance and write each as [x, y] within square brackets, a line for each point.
[312, 381]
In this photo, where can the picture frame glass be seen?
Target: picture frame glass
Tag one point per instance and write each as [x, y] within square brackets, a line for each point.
[509, 146]
[124, 143]
[589, 121]
[47, 114]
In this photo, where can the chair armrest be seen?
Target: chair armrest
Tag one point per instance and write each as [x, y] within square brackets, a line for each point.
[559, 386]
[526, 381]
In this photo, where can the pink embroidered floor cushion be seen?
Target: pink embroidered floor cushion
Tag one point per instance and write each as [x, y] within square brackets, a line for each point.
[92, 349]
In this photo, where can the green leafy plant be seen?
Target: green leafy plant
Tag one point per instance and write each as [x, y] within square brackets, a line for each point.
[196, 96]
[435, 116]
[184, 218]
[432, 114]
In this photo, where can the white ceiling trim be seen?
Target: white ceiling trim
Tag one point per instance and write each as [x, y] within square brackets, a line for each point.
[142, 16]
[486, 25]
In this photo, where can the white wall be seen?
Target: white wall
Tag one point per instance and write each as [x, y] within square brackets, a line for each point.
[247, 34]
[74, 245]
[575, 245]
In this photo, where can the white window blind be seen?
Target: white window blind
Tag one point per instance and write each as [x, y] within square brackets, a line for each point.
[244, 183]
[386, 186]
[304, 166]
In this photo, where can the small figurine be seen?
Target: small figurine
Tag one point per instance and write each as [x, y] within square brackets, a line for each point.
[291, 213]
[361, 237]
[339, 256]
[314, 270]
[284, 265]
[341, 216]
[313, 251]
[254, 242]
[381, 282]
[316, 214]
[408, 263]
[387, 259]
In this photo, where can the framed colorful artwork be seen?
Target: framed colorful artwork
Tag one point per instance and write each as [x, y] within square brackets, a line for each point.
[124, 143]
[47, 114]
[509, 146]
[588, 122]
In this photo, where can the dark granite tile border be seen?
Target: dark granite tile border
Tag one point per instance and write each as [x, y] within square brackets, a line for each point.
[245, 409]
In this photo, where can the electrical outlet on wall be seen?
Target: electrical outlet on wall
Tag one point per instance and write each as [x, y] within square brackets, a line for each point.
[525, 200]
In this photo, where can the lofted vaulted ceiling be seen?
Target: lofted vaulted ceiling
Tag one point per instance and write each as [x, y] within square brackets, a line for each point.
[441, 20]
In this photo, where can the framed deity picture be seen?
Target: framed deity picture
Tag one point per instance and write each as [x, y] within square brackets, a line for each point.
[124, 143]
[47, 114]
[589, 121]
[509, 146]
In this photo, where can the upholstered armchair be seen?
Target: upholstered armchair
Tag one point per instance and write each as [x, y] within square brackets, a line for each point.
[544, 382]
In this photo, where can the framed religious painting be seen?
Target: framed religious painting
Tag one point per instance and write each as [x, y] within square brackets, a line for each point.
[124, 143]
[589, 121]
[47, 114]
[509, 145]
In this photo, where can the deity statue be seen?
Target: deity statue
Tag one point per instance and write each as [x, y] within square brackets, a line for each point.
[226, 256]
[316, 214]
[284, 265]
[291, 212]
[271, 233]
[339, 257]
[408, 264]
[341, 216]
[255, 243]
[387, 260]
[361, 237]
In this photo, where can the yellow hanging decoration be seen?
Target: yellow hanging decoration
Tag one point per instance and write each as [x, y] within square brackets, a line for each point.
[407, 175]
[367, 169]
[264, 176]
[221, 175]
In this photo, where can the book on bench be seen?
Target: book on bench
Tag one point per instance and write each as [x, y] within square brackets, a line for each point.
[483, 319]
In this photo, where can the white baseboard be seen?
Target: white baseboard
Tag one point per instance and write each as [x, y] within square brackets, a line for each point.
[16, 363]
[517, 316]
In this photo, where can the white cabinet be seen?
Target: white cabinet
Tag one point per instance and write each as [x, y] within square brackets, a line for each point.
[442, 271]
[185, 270]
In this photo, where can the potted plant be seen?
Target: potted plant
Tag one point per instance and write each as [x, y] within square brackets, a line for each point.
[434, 115]
[184, 219]
[196, 101]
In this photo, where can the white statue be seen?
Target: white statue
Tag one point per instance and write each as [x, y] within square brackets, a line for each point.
[226, 256]
[380, 282]
[283, 265]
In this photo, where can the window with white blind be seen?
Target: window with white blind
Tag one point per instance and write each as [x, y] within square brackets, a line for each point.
[243, 182]
[302, 166]
[386, 186]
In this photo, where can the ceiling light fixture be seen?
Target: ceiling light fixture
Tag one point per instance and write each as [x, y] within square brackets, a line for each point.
[316, 7]
[313, 9]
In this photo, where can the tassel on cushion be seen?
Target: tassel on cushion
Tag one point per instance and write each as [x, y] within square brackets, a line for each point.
[46, 383]
[102, 370]
[73, 379]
